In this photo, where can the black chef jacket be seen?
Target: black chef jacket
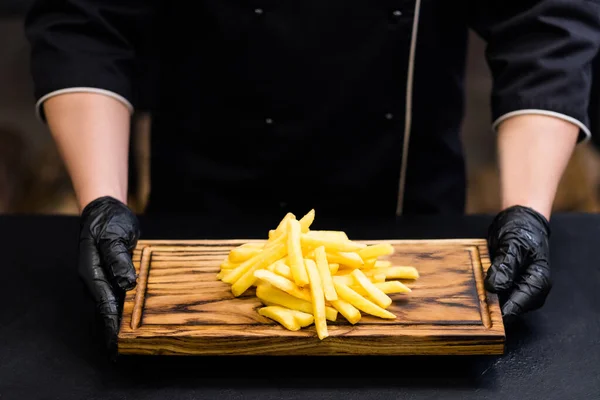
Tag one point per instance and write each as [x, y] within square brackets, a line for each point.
[347, 106]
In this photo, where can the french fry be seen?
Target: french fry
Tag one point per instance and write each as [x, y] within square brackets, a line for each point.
[376, 250]
[325, 274]
[380, 298]
[308, 252]
[347, 280]
[360, 302]
[347, 259]
[395, 272]
[280, 268]
[389, 287]
[306, 221]
[284, 284]
[330, 245]
[281, 315]
[382, 264]
[349, 312]
[333, 268]
[244, 267]
[294, 250]
[369, 263]
[265, 258]
[329, 235]
[375, 263]
[243, 253]
[259, 244]
[303, 319]
[228, 265]
[282, 227]
[318, 298]
[272, 295]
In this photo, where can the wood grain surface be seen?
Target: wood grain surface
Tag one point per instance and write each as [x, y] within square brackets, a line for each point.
[180, 308]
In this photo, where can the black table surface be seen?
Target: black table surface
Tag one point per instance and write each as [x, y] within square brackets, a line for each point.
[50, 347]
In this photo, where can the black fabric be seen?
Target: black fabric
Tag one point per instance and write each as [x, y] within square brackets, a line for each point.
[257, 104]
[50, 347]
[83, 43]
[540, 54]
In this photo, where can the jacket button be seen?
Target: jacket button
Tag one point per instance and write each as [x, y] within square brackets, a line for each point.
[395, 18]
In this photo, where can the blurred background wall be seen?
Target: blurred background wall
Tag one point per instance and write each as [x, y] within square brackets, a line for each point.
[33, 180]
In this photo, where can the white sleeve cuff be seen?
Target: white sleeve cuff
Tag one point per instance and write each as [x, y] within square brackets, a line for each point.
[38, 106]
[564, 117]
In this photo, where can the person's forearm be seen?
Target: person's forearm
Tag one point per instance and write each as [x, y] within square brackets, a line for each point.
[534, 151]
[92, 134]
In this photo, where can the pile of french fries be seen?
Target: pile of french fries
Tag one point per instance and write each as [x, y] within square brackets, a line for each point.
[305, 276]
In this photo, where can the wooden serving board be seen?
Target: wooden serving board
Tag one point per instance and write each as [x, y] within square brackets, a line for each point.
[180, 308]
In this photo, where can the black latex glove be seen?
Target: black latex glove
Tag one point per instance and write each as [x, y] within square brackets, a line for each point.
[520, 271]
[109, 232]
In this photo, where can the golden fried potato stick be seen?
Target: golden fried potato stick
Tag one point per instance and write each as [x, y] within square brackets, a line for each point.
[229, 265]
[325, 274]
[389, 287]
[376, 250]
[369, 263]
[318, 298]
[329, 235]
[347, 280]
[282, 227]
[281, 269]
[267, 253]
[265, 259]
[349, 312]
[382, 264]
[294, 252]
[304, 319]
[281, 315]
[375, 263]
[308, 252]
[306, 221]
[346, 259]
[394, 272]
[360, 302]
[269, 294]
[243, 253]
[333, 268]
[330, 245]
[376, 294]
[284, 284]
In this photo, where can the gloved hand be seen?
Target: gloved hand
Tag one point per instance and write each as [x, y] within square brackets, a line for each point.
[109, 232]
[520, 271]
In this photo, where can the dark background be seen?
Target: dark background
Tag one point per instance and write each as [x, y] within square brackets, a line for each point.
[33, 180]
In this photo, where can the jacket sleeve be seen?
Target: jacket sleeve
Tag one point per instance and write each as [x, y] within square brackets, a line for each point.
[87, 46]
[540, 53]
